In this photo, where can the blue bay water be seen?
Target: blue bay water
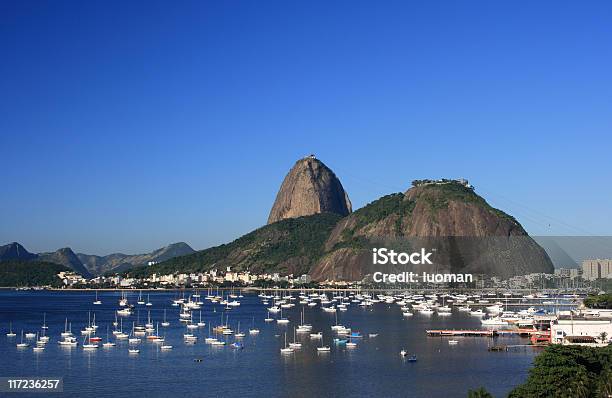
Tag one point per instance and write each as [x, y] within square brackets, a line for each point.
[373, 368]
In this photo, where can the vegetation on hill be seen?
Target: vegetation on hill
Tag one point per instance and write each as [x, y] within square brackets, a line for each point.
[379, 209]
[15, 273]
[438, 197]
[479, 393]
[599, 301]
[287, 246]
[569, 371]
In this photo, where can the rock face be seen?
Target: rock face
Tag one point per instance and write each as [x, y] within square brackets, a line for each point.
[309, 188]
[467, 234]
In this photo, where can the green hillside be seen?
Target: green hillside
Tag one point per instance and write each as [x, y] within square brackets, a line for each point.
[288, 246]
[29, 273]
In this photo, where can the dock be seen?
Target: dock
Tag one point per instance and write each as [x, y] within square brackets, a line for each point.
[499, 348]
[453, 332]
[482, 332]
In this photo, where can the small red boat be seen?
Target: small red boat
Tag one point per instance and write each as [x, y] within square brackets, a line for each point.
[95, 338]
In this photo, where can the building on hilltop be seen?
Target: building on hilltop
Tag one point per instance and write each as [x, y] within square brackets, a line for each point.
[442, 181]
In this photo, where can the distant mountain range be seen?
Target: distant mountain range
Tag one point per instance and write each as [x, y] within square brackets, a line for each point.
[91, 265]
[118, 262]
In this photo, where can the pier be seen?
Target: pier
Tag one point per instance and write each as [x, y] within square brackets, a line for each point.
[481, 332]
[509, 347]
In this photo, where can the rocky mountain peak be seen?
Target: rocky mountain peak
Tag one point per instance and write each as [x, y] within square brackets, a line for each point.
[15, 251]
[468, 234]
[309, 188]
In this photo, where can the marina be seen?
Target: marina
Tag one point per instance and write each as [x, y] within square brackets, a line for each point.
[214, 334]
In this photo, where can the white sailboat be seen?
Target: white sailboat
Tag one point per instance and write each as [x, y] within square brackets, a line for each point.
[209, 339]
[123, 302]
[286, 349]
[42, 340]
[282, 320]
[149, 324]
[303, 327]
[119, 335]
[108, 343]
[239, 334]
[10, 333]
[40, 346]
[165, 323]
[66, 332]
[93, 323]
[140, 300]
[253, 330]
[200, 323]
[133, 340]
[323, 348]
[97, 301]
[89, 346]
[22, 344]
[69, 339]
[296, 344]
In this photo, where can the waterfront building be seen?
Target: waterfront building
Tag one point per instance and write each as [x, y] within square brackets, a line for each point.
[70, 278]
[126, 282]
[586, 328]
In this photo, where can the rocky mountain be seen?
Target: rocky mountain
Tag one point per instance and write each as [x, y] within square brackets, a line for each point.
[90, 265]
[291, 246]
[65, 257]
[309, 188]
[464, 233]
[118, 262]
[447, 217]
[14, 251]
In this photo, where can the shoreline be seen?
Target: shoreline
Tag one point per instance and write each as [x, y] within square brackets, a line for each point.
[259, 289]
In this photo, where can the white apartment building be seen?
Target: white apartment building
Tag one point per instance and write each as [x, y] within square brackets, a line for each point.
[596, 269]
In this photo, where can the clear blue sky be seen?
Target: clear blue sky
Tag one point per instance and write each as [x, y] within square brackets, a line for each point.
[129, 125]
